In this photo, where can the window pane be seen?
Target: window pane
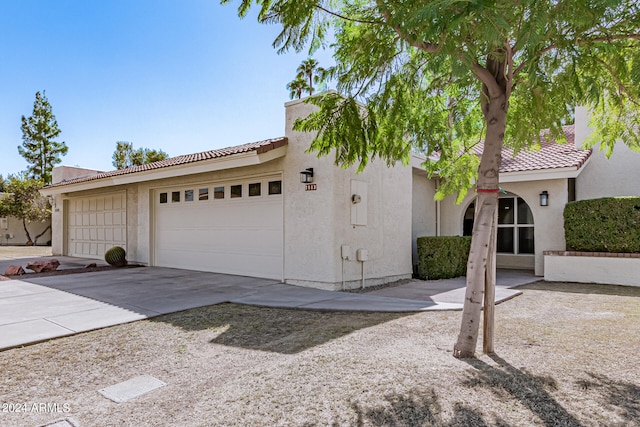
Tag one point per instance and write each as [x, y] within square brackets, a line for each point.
[163, 197]
[236, 191]
[254, 189]
[175, 196]
[524, 213]
[188, 195]
[525, 240]
[505, 211]
[218, 193]
[275, 187]
[505, 240]
[203, 194]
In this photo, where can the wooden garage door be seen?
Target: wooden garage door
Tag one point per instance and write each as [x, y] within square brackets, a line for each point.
[231, 227]
[94, 224]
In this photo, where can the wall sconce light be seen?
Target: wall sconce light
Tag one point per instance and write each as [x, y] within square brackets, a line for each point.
[306, 176]
[544, 198]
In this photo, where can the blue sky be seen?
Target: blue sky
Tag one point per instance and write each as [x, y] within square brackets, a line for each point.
[179, 75]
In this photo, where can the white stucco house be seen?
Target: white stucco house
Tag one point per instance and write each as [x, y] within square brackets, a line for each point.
[245, 210]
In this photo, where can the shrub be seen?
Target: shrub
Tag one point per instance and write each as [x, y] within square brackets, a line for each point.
[116, 256]
[443, 257]
[610, 224]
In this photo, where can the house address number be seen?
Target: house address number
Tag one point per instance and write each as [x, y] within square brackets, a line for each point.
[310, 187]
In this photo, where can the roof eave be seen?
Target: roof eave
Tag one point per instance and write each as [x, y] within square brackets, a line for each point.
[233, 161]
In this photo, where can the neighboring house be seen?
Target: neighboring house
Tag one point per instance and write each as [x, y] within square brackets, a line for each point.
[12, 231]
[245, 210]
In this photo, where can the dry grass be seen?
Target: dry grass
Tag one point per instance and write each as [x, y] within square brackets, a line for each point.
[567, 356]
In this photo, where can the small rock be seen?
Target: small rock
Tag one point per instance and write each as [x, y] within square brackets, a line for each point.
[92, 265]
[43, 266]
[14, 270]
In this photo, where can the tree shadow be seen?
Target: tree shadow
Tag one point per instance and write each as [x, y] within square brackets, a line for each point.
[418, 408]
[624, 396]
[583, 288]
[530, 390]
[279, 330]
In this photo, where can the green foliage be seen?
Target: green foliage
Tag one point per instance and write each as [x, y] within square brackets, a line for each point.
[297, 86]
[125, 156]
[116, 256]
[443, 257]
[610, 224]
[38, 146]
[422, 72]
[22, 200]
[2, 184]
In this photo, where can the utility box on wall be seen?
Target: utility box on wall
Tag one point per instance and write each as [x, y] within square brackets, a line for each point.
[358, 203]
[4, 223]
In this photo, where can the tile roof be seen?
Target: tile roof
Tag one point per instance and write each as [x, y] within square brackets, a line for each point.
[551, 155]
[259, 147]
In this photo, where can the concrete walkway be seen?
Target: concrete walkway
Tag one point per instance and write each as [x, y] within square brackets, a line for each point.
[36, 309]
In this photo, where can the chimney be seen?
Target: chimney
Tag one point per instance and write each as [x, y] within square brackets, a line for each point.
[582, 129]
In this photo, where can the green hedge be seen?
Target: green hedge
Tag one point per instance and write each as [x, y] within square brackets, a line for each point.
[443, 257]
[610, 224]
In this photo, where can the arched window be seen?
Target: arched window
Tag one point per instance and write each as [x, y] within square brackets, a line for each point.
[515, 225]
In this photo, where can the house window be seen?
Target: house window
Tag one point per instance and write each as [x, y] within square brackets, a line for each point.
[203, 194]
[175, 196]
[275, 187]
[236, 191]
[254, 189]
[218, 193]
[188, 195]
[515, 226]
[163, 197]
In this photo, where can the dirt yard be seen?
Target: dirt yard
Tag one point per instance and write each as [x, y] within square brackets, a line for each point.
[567, 355]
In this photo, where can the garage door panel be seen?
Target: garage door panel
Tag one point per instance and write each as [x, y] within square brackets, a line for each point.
[234, 236]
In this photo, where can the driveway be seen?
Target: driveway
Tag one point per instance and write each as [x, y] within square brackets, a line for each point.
[36, 309]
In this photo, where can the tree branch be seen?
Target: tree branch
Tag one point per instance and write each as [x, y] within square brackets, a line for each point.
[346, 18]
[621, 87]
[487, 79]
[422, 45]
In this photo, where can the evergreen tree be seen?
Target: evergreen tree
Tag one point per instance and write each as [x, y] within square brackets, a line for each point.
[39, 147]
[437, 77]
[125, 156]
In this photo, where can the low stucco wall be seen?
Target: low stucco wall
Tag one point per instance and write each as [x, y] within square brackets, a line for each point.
[592, 267]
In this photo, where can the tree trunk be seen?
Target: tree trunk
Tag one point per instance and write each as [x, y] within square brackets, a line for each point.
[490, 292]
[24, 225]
[494, 109]
[35, 239]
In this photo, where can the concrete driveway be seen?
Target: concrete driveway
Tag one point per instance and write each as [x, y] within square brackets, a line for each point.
[36, 309]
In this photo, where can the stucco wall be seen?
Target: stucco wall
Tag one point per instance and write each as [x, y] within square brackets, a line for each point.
[618, 175]
[548, 220]
[318, 223]
[423, 210]
[14, 233]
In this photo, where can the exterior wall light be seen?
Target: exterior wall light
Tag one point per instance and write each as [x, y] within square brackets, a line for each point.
[544, 198]
[306, 176]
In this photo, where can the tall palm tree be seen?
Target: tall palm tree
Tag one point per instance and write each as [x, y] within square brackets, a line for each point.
[297, 86]
[307, 69]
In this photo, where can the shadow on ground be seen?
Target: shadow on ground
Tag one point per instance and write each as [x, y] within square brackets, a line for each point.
[286, 331]
[583, 288]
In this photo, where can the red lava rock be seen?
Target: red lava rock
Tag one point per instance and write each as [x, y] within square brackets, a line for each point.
[14, 270]
[43, 266]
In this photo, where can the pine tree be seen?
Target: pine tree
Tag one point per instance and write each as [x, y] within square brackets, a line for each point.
[38, 146]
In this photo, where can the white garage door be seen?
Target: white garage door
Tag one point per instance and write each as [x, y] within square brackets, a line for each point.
[94, 224]
[230, 227]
